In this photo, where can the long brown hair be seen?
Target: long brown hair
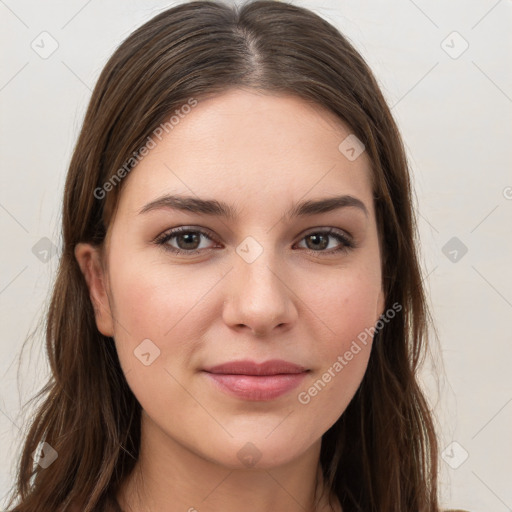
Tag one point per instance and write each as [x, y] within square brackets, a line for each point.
[381, 454]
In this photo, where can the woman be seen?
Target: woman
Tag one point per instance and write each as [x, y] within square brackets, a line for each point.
[239, 315]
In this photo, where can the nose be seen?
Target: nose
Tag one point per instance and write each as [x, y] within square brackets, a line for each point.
[258, 298]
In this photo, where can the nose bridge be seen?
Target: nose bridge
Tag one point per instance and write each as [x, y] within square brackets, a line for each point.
[260, 280]
[258, 297]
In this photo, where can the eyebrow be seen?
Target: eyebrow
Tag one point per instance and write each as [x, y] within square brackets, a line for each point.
[221, 209]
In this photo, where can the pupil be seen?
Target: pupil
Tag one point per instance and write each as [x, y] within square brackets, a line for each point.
[190, 238]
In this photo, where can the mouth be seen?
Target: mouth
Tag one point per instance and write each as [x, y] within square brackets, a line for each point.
[253, 381]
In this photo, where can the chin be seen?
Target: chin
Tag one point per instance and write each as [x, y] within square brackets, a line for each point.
[250, 452]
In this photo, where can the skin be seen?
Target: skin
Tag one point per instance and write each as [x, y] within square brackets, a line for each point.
[260, 153]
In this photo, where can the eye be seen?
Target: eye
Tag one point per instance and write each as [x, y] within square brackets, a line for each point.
[187, 239]
[318, 241]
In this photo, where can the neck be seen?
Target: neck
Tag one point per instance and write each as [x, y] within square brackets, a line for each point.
[171, 477]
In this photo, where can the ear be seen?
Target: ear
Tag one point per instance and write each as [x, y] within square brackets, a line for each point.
[89, 259]
[381, 303]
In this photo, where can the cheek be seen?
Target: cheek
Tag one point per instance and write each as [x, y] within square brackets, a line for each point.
[157, 332]
[155, 299]
[170, 307]
[139, 310]
[347, 311]
[346, 305]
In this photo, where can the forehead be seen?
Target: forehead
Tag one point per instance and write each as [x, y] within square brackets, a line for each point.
[252, 149]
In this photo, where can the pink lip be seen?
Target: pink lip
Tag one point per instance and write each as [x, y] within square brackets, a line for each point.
[257, 381]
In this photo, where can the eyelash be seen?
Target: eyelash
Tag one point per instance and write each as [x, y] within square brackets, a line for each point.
[161, 240]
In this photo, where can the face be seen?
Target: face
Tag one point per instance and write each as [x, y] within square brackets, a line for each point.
[259, 274]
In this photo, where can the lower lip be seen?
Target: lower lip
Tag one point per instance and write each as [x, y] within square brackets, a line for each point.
[257, 388]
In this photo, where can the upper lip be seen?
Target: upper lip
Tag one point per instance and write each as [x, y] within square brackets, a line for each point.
[272, 367]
